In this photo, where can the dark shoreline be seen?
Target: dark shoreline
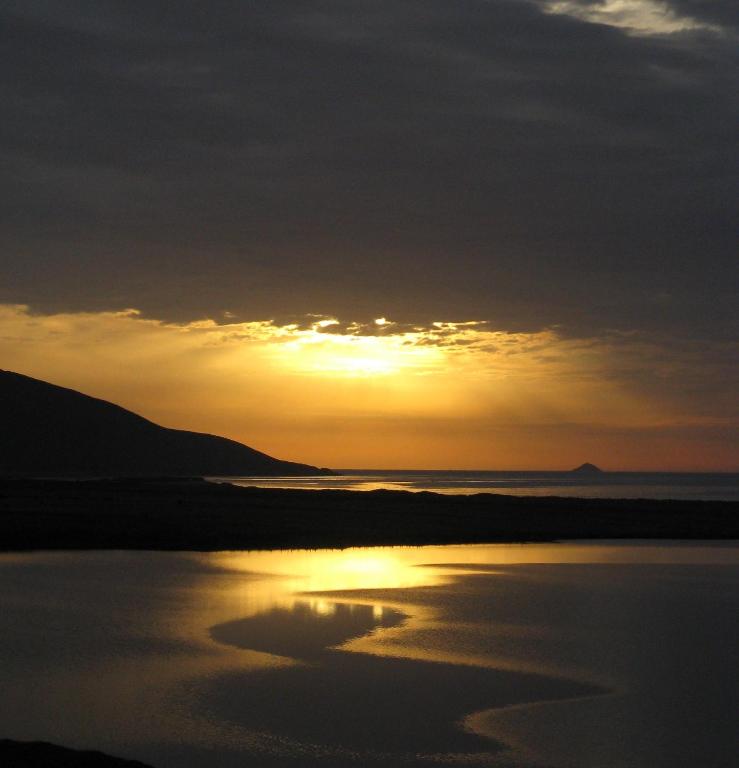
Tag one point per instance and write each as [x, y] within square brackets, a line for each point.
[192, 514]
[41, 754]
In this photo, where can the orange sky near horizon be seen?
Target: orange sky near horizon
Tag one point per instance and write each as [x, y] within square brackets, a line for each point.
[444, 395]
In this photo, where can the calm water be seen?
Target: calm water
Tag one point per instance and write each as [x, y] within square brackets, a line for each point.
[556, 655]
[624, 485]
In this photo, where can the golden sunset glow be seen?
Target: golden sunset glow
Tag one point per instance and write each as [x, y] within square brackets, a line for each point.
[326, 354]
[368, 383]
[382, 394]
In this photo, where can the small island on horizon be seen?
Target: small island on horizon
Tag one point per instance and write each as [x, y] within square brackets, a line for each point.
[368, 384]
[81, 473]
[194, 514]
[587, 468]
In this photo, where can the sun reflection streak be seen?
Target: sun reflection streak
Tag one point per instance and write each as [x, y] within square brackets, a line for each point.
[322, 607]
[266, 579]
[332, 570]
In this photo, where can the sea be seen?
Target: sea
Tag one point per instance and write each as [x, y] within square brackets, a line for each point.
[693, 486]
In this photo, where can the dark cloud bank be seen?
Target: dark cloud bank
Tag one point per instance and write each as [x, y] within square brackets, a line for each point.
[420, 160]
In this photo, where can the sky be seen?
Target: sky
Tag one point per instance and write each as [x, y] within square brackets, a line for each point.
[475, 234]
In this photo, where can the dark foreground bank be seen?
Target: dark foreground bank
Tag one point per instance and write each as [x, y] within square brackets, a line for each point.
[197, 515]
[39, 754]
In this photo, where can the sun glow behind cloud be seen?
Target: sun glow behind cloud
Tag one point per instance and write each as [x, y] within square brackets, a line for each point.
[384, 394]
[315, 352]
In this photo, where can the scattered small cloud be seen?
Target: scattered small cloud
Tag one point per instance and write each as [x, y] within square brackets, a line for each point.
[635, 17]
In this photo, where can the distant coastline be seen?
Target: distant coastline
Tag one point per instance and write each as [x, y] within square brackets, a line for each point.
[693, 486]
[194, 514]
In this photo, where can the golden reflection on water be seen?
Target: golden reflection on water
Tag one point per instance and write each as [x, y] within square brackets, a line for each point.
[322, 579]
[167, 605]
[326, 570]
[276, 575]
[283, 578]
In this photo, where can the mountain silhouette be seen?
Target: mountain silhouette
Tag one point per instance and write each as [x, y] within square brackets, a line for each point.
[46, 430]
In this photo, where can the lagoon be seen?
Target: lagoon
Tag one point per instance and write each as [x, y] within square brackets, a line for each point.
[589, 654]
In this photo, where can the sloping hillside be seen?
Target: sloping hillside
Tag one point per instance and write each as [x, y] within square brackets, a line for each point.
[50, 430]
